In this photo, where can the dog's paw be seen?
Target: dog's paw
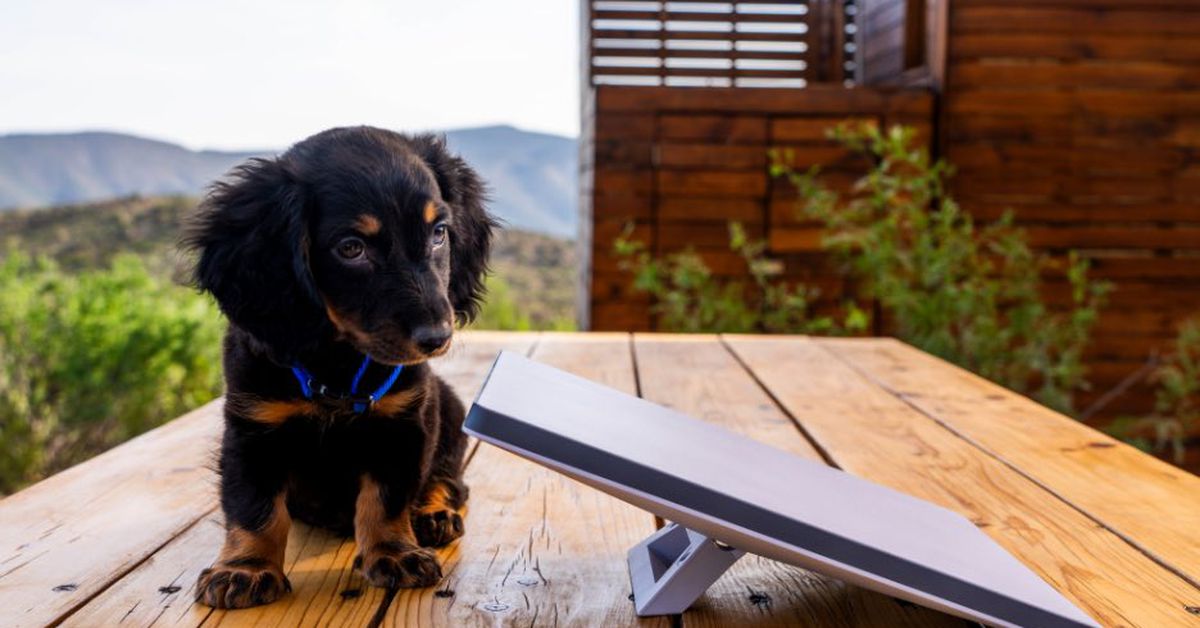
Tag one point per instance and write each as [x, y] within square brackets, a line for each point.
[241, 586]
[391, 565]
[435, 528]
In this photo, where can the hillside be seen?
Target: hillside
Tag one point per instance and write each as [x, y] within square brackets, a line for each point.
[537, 271]
[532, 175]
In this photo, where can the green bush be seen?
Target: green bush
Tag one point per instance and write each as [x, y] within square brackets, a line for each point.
[689, 298]
[970, 294]
[1177, 400]
[1178, 394]
[89, 360]
[504, 310]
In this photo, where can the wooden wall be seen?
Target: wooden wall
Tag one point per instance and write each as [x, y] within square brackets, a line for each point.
[1083, 118]
[680, 163]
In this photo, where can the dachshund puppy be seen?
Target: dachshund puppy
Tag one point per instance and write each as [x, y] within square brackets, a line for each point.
[342, 266]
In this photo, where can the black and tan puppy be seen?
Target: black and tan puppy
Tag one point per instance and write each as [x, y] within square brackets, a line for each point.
[342, 266]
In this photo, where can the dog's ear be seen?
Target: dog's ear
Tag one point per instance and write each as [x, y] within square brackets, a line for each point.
[251, 234]
[471, 235]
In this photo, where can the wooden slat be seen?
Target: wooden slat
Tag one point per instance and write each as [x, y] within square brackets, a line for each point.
[544, 547]
[698, 376]
[318, 563]
[655, 53]
[796, 239]
[625, 33]
[714, 156]
[1032, 73]
[1106, 212]
[1031, 18]
[616, 70]
[728, 129]
[655, 15]
[810, 129]
[1148, 501]
[1127, 236]
[1181, 5]
[714, 182]
[1075, 46]
[814, 100]
[708, 208]
[69, 537]
[1097, 102]
[700, 235]
[875, 435]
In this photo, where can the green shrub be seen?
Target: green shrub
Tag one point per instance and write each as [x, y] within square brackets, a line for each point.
[689, 298]
[504, 310]
[89, 360]
[1177, 399]
[967, 293]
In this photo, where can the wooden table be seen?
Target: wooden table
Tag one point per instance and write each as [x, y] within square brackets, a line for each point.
[122, 537]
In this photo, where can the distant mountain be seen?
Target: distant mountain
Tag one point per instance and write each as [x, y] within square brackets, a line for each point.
[532, 175]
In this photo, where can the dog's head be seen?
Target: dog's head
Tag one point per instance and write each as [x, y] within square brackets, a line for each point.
[362, 234]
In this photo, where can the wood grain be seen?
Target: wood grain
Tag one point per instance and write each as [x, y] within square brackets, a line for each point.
[875, 435]
[1144, 499]
[318, 563]
[698, 376]
[540, 548]
[69, 537]
[1077, 115]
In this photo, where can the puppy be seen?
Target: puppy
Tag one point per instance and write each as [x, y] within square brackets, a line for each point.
[342, 266]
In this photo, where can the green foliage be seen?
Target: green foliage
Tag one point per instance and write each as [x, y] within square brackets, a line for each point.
[539, 270]
[689, 298]
[968, 293]
[92, 359]
[1177, 399]
[1179, 378]
[533, 281]
[89, 236]
[502, 310]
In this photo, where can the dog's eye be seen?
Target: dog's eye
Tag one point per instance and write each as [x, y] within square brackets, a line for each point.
[439, 235]
[350, 249]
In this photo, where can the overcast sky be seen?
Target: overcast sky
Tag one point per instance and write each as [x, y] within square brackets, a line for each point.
[264, 73]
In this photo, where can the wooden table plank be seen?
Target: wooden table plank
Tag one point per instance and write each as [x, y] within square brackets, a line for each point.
[324, 570]
[1152, 504]
[875, 435]
[527, 523]
[538, 545]
[319, 561]
[698, 376]
[70, 536]
[541, 548]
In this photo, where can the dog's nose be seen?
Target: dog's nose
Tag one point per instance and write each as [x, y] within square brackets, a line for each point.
[430, 338]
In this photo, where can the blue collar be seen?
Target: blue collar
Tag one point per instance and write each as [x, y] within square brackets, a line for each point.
[359, 404]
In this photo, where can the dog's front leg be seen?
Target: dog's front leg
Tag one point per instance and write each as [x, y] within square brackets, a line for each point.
[249, 569]
[388, 552]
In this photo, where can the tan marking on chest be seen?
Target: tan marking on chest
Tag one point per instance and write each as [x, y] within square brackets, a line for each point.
[398, 402]
[270, 411]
